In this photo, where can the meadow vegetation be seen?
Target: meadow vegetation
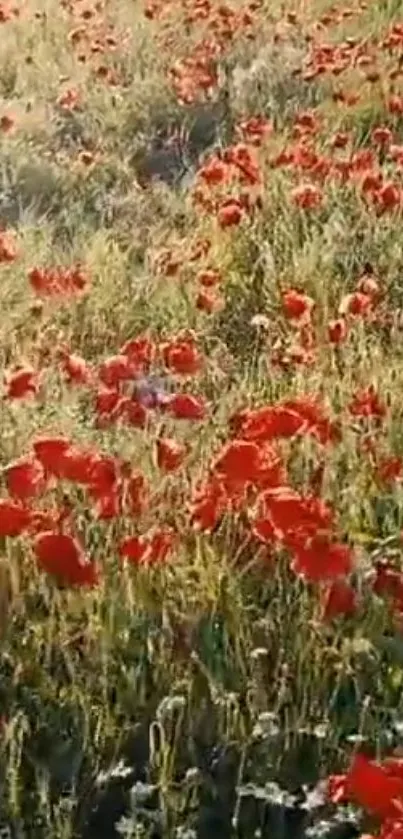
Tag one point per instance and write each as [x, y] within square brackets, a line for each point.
[201, 447]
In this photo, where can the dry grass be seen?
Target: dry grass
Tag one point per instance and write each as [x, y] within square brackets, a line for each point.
[215, 669]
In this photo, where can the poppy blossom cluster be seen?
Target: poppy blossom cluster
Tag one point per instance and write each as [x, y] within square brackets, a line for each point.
[377, 787]
[113, 490]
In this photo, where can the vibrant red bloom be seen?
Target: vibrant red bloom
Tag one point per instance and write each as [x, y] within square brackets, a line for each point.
[133, 412]
[389, 196]
[14, 519]
[296, 304]
[337, 791]
[382, 135]
[255, 129]
[230, 213]
[109, 505]
[240, 460]
[61, 557]
[322, 559]
[25, 478]
[337, 331]
[390, 469]
[102, 473]
[307, 197]
[140, 351]
[23, 382]
[268, 423]
[391, 829]
[208, 278]
[182, 356]
[8, 248]
[6, 124]
[116, 369]
[136, 494]
[317, 423]
[148, 550]
[242, 463]
[185, 406]
[295, 521]
[214, 173]
[388, 582]
[339, 598]
[366, 403]
[170, 454]
[58, 282]
[50, 451]
[107, 404]
[208, 505]
[209, 301]
[356, 303]
[75, 369]
[370, 786]
[369, 285]
[76, 465]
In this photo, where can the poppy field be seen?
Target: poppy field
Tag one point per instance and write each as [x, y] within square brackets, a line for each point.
[201, 447]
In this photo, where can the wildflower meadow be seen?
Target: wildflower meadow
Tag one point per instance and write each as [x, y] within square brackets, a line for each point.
[201, 419]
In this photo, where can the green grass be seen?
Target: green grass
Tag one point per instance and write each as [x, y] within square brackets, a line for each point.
[215, 669]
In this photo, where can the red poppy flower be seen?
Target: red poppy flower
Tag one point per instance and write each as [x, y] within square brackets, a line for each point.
[208, 278]
[208, 505]
[140, 351]
[25, 478]
[62, 557]
[170, 454]
[317, 423]
[337, 331]
[214, 172]
[109, 505]
[242, 463]
[389, 196]
[107, 405]
[148, 550]
[209, 302]
[133, 412]
[137, 494]
[182, 356]
[370, 786]
[388, 582]
[339, 598]
[269, 423]
[50, 451]
[307, 197]
[58, 282]
[337, 791]
[296, 304]
[116, 369]
[366, 403]
[14, 518]
[255, 129]
[185, 406]
[321, 559]
[75, 369]
[76, 465]
[356, 303]
[389, 469]
[230, 213]
[240, 460]
[6, 124]
[8, 248]
[23, 382]
[294, 519]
